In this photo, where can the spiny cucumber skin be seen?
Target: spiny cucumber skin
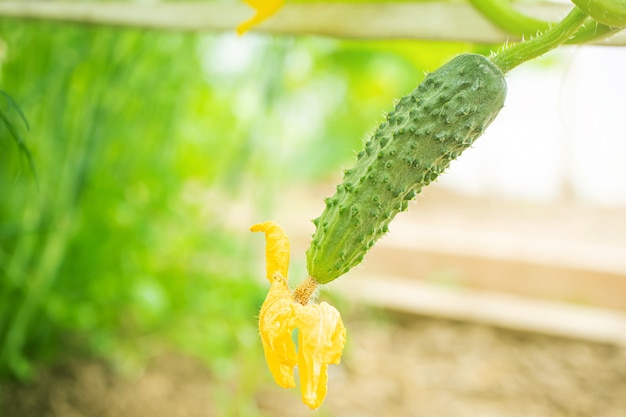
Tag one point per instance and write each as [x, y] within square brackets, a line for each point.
[427, 130]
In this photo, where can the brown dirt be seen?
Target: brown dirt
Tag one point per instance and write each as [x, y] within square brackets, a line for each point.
[397, 366]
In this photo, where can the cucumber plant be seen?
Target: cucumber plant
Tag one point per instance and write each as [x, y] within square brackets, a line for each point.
[428, 128]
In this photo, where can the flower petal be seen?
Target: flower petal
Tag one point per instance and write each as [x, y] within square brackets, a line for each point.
[276, 248]
[264, 9]
[321, 339]
[276, 324]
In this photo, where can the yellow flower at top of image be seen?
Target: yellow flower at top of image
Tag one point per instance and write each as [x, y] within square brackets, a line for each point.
[264, 9]
[321, 333]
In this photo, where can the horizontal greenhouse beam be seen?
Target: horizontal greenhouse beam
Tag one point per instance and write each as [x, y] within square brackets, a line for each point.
[427, 21]
[592, 324]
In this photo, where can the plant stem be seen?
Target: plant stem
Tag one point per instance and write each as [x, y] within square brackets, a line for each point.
[524, 51]
[592, 31]
[505, 16]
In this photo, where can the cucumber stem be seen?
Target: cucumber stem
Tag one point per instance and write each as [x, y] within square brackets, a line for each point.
[592, 31]
[555, 36]
[505, 16]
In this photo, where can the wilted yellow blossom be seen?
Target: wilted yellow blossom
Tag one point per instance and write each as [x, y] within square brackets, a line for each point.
[321, 338]
[264, 9]
[321, 333]
[277, 249]
[276, 323]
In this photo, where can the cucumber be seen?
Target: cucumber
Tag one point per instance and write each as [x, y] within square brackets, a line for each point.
[428, 128]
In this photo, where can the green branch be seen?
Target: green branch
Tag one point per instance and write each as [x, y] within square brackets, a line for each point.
[592, 31]
[519, 53]
[506, 17]
[502, 14]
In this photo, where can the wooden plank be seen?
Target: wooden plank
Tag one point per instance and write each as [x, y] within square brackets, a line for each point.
[517, 277]
[494, 242]
[426, 21]
[498, 309]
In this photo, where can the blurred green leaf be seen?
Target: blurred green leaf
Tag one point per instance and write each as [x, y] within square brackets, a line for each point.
[10, 116]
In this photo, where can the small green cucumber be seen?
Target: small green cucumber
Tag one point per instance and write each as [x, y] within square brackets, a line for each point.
[427, 129]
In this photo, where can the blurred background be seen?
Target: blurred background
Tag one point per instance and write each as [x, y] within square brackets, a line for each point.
[130, 284]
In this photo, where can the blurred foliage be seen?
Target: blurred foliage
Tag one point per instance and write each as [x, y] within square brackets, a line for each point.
[104, 249]
[11, 121]
[141, 141]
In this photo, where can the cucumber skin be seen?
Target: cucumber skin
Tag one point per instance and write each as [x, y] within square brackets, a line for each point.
[428, 128]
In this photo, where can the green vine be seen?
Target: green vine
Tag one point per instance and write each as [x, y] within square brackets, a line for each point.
[518, 53]
[592, 31]
[506, 17]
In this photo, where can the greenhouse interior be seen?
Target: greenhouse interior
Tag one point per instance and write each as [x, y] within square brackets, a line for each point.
[269, 208]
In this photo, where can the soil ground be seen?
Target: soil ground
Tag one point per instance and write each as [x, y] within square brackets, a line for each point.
[401, 365]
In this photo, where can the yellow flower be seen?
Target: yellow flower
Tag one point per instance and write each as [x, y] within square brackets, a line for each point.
[276, 324]
[321, 333]
[264, 9]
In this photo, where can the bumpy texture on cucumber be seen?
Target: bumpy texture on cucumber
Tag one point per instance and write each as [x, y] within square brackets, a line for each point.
[427, 129]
